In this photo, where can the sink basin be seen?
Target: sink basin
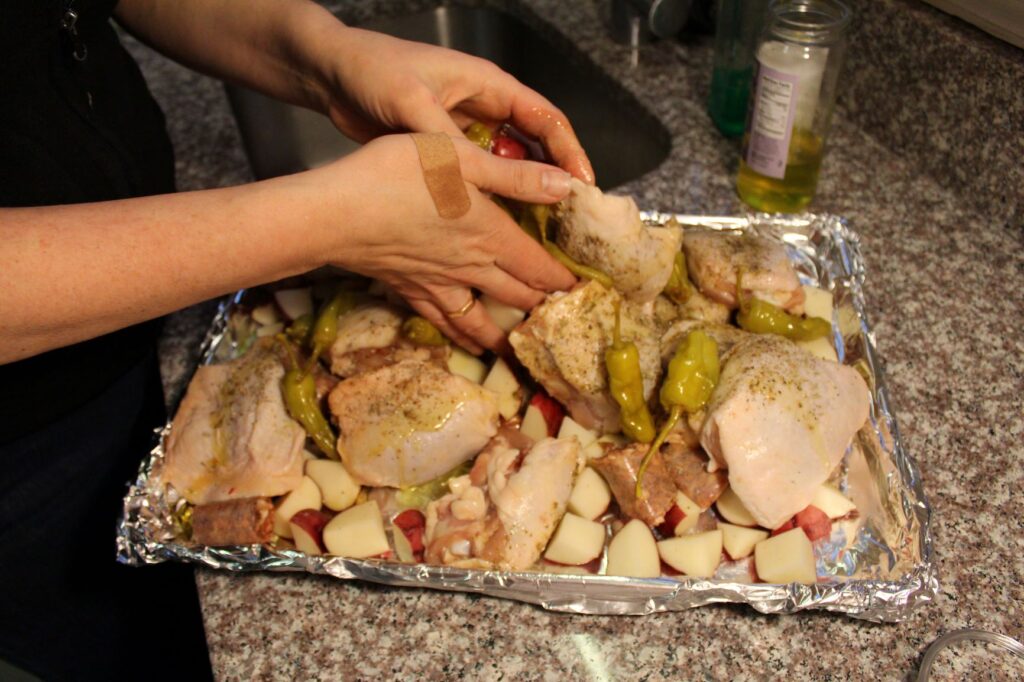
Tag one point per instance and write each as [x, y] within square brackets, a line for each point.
[622, 139]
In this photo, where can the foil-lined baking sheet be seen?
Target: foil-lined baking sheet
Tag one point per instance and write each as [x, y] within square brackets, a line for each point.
[876, 567]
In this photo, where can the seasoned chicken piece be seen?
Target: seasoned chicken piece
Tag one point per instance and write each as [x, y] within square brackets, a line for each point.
[563, 342]
[700, 307]
[409, 422]
[619, 467]
[780, 420]
[716, 260]
[725, 335]
[369, 337]
[605, 232]
[502, 514]
[232, 436]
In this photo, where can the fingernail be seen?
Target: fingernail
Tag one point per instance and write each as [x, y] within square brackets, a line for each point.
[556, 182]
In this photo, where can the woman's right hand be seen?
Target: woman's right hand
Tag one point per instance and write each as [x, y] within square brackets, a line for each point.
[387, 227]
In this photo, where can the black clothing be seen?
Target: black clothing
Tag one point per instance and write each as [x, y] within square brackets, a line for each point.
[70, 132]
[71, 612]
[77, 124]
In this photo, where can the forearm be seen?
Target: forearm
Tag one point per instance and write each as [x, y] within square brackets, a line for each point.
[75, 272]
[273, 46]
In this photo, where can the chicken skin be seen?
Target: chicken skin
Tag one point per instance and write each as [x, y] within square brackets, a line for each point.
[717, 260]
[606, 232]
[563, 342]
[502, 514]
[407, 423]
[232, 437]
[780, 421]
[369, 337]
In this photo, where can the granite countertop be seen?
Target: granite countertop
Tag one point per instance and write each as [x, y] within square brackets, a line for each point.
[942, 235]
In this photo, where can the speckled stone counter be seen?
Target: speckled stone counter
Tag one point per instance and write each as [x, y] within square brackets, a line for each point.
[945, 297]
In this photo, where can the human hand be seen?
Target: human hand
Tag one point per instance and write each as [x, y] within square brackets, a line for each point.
[387, 227]
[379, 84]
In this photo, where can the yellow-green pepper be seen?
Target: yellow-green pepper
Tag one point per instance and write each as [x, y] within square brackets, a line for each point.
[762, 317]
[298, 331]
[480, 135]
[420, 330]
[626, 385]
[679, 288]
[692, 376]
[692, 373]
[299, 391]
[419, 496]
[540, 213]
[325, 329]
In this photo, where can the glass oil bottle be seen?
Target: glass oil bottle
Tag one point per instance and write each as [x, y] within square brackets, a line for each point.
[798, 59]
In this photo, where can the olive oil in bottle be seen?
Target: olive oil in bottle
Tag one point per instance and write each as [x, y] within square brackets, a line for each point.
[795, 189]
[796, 72]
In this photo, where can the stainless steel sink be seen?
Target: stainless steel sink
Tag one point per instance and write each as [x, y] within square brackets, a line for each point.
[622, 139]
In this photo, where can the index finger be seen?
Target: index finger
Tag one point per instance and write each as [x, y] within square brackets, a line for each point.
[536, 116]
[520, 256]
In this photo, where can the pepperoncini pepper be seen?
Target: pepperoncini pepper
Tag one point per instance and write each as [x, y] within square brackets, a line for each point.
[692, 376]
[540, 214]
[762, 317]
[626, 385]
[298, 389]
[480, 135]
[679, 288]
[300, 398]
[325, 329]
[420, 330]
[298, 330]
[419, 496]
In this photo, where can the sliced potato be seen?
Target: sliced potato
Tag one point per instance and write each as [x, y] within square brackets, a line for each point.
[305, 496]
[590, 495]
[786, 558]
[732, 509]
[465, 365]
[633, 552]
[576, 541]
[358, 532]
[695, 555]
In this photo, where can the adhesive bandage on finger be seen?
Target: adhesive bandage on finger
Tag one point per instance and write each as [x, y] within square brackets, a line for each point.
[442, 173]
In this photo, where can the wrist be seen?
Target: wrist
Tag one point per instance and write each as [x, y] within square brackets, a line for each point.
[318, 42]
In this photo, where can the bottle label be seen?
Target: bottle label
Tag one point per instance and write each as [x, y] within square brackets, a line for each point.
[771, 122]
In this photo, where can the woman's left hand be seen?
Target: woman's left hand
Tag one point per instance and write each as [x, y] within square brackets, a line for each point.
[368, 83]
[379, 84]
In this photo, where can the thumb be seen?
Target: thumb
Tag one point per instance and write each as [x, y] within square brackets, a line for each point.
[523, 180]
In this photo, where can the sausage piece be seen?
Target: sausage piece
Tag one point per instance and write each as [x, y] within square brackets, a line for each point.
[619, 468]
[246, 521]
[689, 471]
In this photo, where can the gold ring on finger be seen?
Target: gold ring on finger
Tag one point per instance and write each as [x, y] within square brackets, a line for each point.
[464, 310]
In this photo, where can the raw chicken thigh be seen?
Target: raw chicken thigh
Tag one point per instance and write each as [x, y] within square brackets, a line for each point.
[369, 337]
[503, 512]
[232, 437]
[605, 232]
[563, 342]
[780, 420]
[716, 260]
[407, 423]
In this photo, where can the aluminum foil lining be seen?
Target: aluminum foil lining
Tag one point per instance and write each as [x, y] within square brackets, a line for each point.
[877, 567]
